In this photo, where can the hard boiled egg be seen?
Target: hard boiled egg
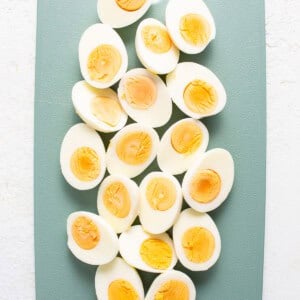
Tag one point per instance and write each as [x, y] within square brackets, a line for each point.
[155, 47]
[145, 98]
[182, 143]
[82, 157]
[207, 184]
[147, 252]
[118, 281]
[118, 201]
[91, 239]
[161, 201]
[197, 240]
[102, 56]
[190, 25]
[196, 90]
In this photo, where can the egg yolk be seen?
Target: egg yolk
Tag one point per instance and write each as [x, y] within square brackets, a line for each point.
[198, 244]
[156, 253]
[106, 110]
[140, 92]
[186, 137]
[130, 5]
[85, 233]
[205, 186]
[161, 193]
[85, 164]
[117, 200]
[121, 289]
[104, 63]
[173, 290]
[156, 39]
[200, 97]
[195, 29]
[134, 148]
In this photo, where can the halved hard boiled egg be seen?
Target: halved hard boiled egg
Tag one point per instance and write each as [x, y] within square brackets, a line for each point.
[91, 239]
[197, 240]
[147, 252]
[102, 56]
[207, 184]
[190, 25]
[181, 145]
[161, 201]
[155, 47]
[118, 201]
[196, 90]
[145, 98]
[82, 157]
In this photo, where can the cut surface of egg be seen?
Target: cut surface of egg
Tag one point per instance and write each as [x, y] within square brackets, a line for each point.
[172, 285]
[99, 108]
[155, 47]
[190, 25]
[118, 281]
[145, 98]
[181, 145]
[196, 240]
[82, 157]
[207, 184]
[118, 201]
[161, 201]
[121, 13]
[196, 90]
[132, 150]
[147, 252]
[102, 56]
[91, 239]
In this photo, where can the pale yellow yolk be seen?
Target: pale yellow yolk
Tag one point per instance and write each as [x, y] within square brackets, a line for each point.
[173, 290]
[85, 164]
[161, 193]
[104, 63]
[106, 109]
[130, 5]
[195, 29]
[186, 137]
[205, 186]
[156, 253]
[198, 244]
[121, 289]
[140, 92]
[85, 233]
[156, 39]
[116, 199]
[134, 148]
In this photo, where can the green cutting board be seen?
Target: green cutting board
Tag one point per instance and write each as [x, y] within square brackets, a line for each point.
[237, 56]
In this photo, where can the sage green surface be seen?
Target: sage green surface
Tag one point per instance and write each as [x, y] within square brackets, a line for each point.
[237, 56]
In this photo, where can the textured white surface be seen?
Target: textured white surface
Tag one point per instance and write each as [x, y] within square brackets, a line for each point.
[282, 255]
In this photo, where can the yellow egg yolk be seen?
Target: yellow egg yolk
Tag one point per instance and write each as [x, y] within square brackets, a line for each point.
[205, 186]
[116, 199]
[173, 290]
[156, 39]
[195, 29]
[85, 164]
[200, 97]
[156, 253]
[186, 137]
[134, 148]
[104, 63]
[139, 92]
[121, 289]
[198, 244]
[130, 5]
[161, 193]
[85, 233]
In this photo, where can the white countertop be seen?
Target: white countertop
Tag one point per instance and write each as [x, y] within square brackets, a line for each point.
[282, 245]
